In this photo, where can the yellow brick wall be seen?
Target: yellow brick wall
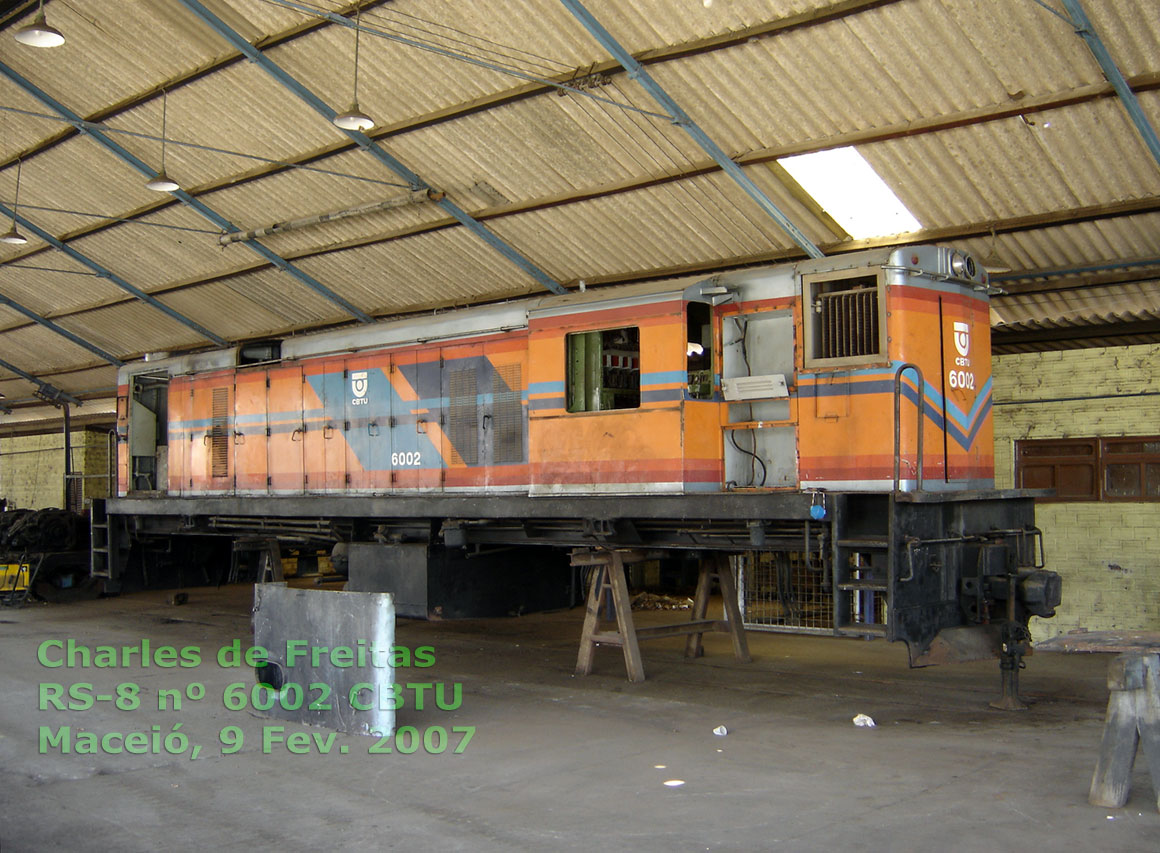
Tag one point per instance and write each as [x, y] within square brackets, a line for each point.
[32, 467]
[1108, 553]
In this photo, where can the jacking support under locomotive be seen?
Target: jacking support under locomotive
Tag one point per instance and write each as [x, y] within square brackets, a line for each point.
[833, 413]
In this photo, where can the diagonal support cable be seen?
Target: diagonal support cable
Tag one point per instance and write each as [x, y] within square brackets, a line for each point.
[103, 139]
[1085, 30]
[461, 56]
[312, 100]
[682, 119]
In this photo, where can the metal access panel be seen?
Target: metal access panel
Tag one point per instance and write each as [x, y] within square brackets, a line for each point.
[764, 458]
[400, 569]
[329, 656]
[758, 345]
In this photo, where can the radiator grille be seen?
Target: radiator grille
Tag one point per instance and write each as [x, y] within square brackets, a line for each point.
[219, 444]
[508, 414]
[849, 323]
[464, 426]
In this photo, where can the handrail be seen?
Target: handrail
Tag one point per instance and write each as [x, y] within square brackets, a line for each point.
[111, 467]
[902, 368]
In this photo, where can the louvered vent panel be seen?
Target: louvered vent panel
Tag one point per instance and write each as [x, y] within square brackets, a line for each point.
[464, 427]
[508, 414]
[219, 434]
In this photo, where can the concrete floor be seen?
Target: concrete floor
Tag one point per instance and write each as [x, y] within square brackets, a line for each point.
[571, 763]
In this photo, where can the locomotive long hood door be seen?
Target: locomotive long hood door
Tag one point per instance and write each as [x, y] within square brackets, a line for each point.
[286, 430]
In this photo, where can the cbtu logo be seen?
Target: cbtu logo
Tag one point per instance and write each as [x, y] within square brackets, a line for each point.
[963, 339]
[359, 384]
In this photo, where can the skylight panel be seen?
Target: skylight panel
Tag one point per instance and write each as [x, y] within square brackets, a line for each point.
[849, 190]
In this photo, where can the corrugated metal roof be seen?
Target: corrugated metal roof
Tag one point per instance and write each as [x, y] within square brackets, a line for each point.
[1112, 303]
[992, 122]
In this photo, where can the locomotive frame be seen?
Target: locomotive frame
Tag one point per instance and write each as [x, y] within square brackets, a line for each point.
[838, 408]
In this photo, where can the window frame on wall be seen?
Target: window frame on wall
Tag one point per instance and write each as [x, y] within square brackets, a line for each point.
[1083, 466]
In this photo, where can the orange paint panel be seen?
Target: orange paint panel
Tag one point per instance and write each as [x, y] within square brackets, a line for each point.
[653, 471]
[123, 468]
[323, 439]
[703, 442]
[179, 415]
[506, 475]
[284, 459]
[593, 447]
[593, 319]
[249, 438]
[210, 466]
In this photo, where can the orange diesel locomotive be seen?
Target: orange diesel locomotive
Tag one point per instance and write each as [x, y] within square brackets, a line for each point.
[838, 410]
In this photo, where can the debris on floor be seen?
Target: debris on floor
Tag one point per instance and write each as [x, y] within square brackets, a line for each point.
[864, 721]
[720, 731]
[651, 601]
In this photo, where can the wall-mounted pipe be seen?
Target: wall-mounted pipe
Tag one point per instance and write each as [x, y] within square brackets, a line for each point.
[413, 197]
[1111, 266]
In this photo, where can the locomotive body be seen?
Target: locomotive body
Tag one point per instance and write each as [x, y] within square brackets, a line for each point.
[838, 409]
[738, 382]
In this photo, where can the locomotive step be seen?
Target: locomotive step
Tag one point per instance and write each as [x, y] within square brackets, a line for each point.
[868, 543]
[864, 586]
[856, 628]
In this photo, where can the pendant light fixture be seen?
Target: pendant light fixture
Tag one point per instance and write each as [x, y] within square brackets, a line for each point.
[13, 236]
[161, 182]
[354, 118]
[39, 33]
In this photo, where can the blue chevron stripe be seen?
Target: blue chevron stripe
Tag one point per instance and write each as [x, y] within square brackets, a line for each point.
[963, 427]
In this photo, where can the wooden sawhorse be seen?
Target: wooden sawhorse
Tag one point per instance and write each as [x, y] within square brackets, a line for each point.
[269, 562]
[1133, 721]
[609, 580]
[1133, 718]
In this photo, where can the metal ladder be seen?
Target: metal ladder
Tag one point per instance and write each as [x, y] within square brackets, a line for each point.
[862, 590]
[103, 554]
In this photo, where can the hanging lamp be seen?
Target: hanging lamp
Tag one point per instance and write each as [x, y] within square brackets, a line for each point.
[13, 236]
[161, 182]
[354, 118]
[40, 33]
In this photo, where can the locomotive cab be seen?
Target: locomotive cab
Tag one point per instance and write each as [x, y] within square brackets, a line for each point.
[621, 393]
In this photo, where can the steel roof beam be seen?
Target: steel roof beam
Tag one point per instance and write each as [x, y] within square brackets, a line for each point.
[102, 138]
[292, 84]
[102, 272]
[682, 119]
[53, 327]
[1014, 225]
[48, 393]
[1085, 30]
[1075, 271]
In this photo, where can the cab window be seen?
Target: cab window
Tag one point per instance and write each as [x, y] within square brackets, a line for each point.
[603, 370]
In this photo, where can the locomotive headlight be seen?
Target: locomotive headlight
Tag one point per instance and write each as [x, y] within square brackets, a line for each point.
[963, 265]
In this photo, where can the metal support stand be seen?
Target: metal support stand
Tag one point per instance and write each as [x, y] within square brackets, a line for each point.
[1015, 644]
[1010, 662]
[609, 583]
